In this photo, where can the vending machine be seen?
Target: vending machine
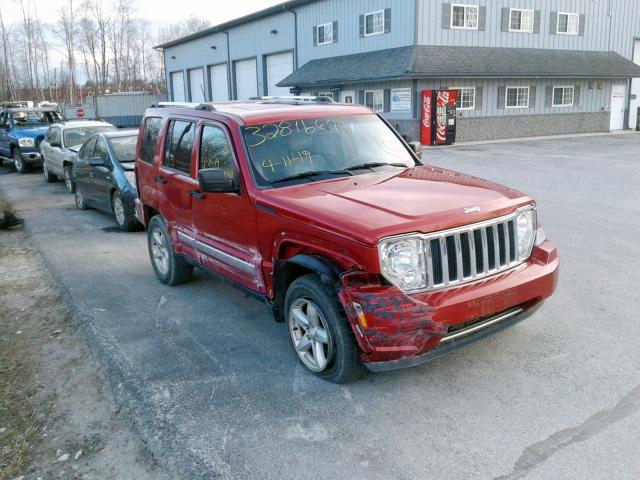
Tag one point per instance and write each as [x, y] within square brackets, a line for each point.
[438, 126]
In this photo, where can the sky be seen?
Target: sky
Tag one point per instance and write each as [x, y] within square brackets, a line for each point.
[159, 12]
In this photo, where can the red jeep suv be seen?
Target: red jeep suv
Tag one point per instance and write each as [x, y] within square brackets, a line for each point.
[372, 259]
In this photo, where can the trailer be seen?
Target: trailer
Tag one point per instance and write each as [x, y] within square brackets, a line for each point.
[122, 109]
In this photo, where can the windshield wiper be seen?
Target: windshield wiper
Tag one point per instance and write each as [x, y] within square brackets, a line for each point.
[312, 173]
[376, 164]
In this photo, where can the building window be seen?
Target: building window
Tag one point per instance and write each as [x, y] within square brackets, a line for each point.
[466, 98]
[520, 20]
[374, 99]
[563, 96]
[568, 23]
[464, 16]
[325, 33]
[517, 97]
[374, 23]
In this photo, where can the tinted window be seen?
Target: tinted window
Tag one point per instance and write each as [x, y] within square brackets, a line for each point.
[101, 150]
[87, 150]
[179, 143]
[150, 135]
[215, 151]
[124, 148]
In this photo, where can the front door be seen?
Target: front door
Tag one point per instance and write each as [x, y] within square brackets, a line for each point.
[348, 96]
[101, 177]
[617, 106]
[54, 153]
[82, 169]
[226, 222]
[4, 135]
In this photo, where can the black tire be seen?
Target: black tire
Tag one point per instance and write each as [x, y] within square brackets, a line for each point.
[68, 179]
[178, 270]
[80, 203]
[48, 176]
[18, 162]
[126, 221]
[344, 365]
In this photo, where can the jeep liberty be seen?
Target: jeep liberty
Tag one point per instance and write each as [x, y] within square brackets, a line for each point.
[373, 260]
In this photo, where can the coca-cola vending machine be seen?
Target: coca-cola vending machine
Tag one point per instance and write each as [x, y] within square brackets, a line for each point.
[438, 117]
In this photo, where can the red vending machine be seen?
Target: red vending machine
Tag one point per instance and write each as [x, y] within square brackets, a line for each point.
[438, 117]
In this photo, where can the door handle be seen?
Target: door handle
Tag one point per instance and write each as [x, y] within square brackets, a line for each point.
[197, 195]
[160, 180]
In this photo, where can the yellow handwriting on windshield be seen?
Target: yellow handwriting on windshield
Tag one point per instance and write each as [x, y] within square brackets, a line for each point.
[261, 134]
[302, 157]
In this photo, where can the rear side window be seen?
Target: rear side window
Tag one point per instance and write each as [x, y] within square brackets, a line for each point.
[215, 151]
[177, 154]
[150, 133]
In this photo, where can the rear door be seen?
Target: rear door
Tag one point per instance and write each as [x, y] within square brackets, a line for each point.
[176, 185]
[225, 223]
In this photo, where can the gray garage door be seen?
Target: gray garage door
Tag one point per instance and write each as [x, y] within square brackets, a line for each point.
[246, 79]
[196, 85]
[177, 86]
[219, 83]
[279, 66]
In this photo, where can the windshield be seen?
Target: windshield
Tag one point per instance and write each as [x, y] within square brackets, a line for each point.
[124, 148]
[77, 136]
[280, 151]
[27, 118]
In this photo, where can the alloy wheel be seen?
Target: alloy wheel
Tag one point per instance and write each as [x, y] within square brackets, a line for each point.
[118, 210]
[67, 180]
[160, 251]
[310, 334]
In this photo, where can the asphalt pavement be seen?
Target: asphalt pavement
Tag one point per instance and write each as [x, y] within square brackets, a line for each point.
[215, 389]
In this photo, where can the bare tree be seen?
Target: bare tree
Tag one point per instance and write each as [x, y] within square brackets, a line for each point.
[65, 29]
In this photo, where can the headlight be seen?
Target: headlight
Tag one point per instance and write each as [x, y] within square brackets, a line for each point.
[525, 232]
[131, 178]
[402, 262]
[26, 142]
[540, 236]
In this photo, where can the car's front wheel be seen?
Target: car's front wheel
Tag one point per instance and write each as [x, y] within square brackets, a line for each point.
[68, 179]
[19, 163]
[80, 202]
[48, 176]
[124, 214]
[319, 332]
[171, 269]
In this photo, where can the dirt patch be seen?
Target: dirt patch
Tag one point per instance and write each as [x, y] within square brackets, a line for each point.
[58, 419]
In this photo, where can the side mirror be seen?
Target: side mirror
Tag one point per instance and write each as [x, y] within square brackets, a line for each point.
[55, 144]
[96, 162]
[417, 148]
[214, 180]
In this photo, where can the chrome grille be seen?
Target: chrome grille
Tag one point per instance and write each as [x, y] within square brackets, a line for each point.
[468, 253]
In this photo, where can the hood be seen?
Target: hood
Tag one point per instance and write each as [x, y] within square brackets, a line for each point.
[30, 132]
[369, 207]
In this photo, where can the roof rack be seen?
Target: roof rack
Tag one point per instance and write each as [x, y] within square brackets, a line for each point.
[207, 107]
[301, 99]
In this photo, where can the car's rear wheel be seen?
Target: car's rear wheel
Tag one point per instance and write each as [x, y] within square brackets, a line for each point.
[125, 218]
[19, 163]
[170, 268]
[68, 179]
[319, 332]
[48, 177]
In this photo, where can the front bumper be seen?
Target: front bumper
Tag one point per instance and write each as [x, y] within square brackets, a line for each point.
[31, 157]
[396, 330]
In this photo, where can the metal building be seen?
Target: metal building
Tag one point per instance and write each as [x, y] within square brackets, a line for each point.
[521, 67]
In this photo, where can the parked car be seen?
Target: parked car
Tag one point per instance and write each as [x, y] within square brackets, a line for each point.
[321, 210]
[104, 177]
[21, 131]
[61, 144]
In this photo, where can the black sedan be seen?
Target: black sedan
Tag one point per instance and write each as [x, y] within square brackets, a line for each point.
[104, 176]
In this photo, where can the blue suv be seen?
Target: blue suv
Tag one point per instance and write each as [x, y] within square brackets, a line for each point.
[21, 131]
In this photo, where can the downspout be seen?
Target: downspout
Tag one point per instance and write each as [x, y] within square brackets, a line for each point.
[295, 32]
[229, 86]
